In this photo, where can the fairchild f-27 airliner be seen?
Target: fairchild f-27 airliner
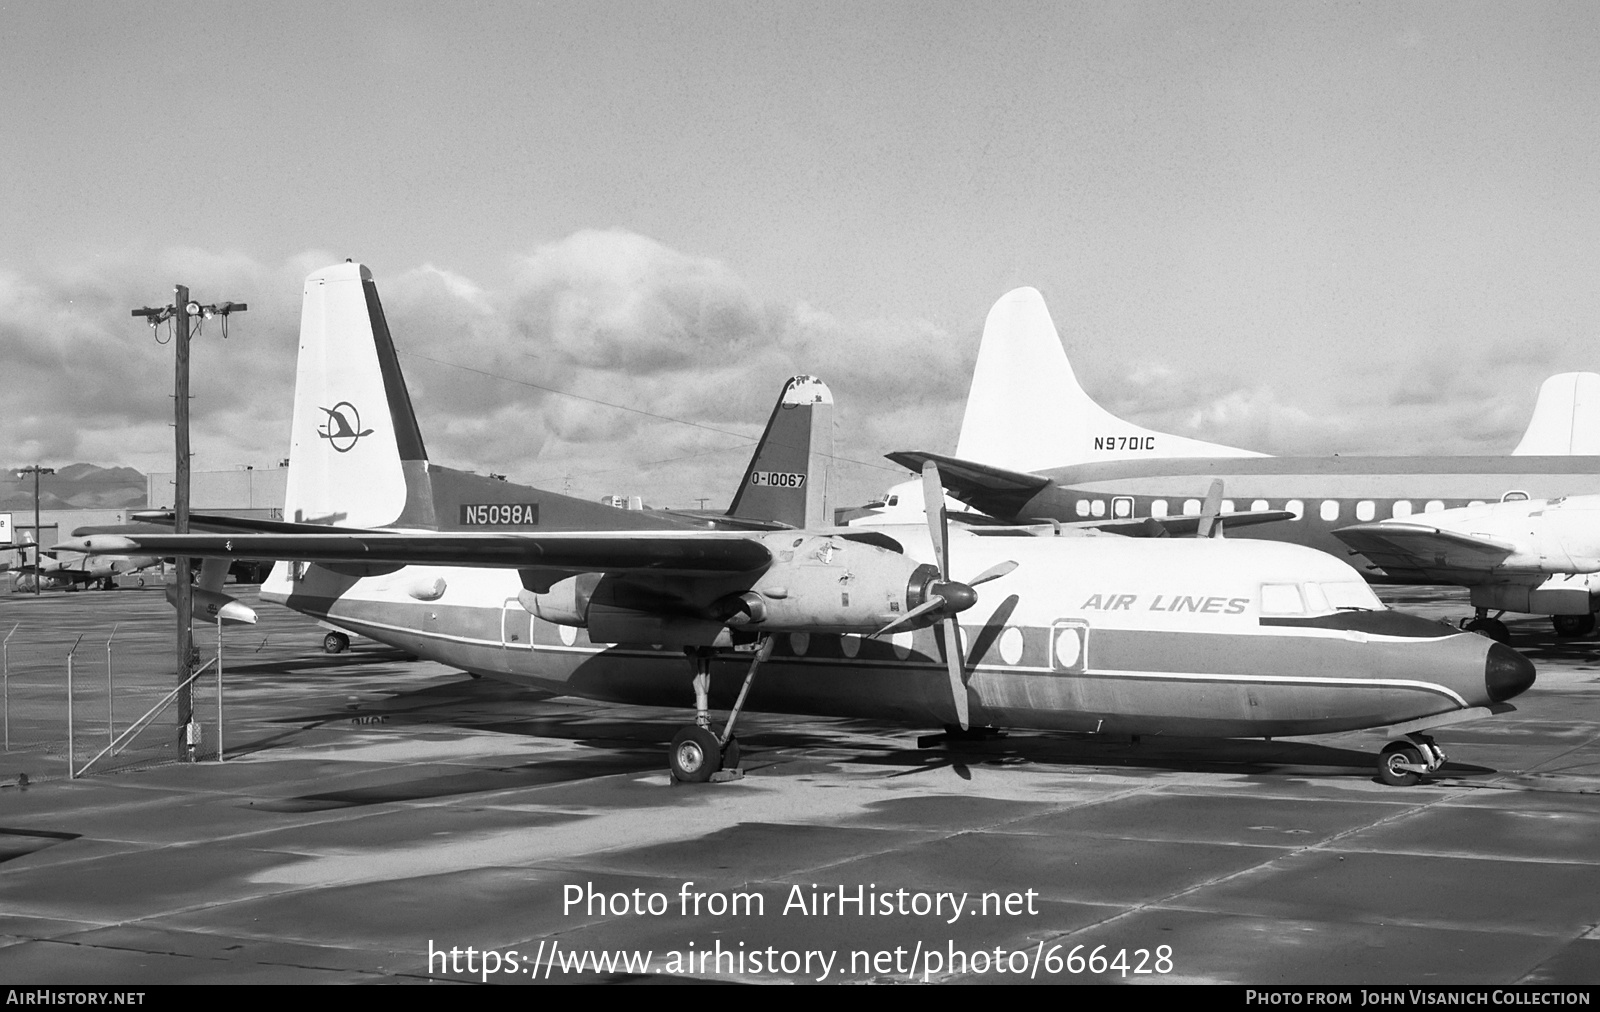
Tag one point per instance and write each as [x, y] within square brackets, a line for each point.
[969, 629]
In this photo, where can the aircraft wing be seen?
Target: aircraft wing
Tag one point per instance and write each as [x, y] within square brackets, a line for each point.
[689, 553]
[1426, 554]
[994, 490]
[1182, 526]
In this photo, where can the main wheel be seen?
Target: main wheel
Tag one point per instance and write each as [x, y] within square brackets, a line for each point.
[695, 755]
[335, 643]
[1490, 627]
[1390, 769]
[1572, 626]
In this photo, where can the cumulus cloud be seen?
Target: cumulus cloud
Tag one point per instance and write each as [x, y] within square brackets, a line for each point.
[608, 362]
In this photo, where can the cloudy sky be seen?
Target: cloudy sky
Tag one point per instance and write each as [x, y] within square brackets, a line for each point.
[1301, 228]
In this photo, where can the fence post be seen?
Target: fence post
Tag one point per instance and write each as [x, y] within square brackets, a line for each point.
[111, 727]
[5, 682]
[219, 689]
[72, 764]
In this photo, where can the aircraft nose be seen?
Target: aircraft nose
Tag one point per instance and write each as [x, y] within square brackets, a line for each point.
[1506, 672]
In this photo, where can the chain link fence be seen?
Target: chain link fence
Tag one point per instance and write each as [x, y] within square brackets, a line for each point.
[101, 696]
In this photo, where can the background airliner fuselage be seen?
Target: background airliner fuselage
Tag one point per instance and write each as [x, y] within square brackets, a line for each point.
[1325, 493]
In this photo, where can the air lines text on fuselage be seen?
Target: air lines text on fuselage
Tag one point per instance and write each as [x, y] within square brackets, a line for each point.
[1168, 602]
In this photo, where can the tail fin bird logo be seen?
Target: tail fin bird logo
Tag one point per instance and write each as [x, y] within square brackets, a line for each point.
[339, 430]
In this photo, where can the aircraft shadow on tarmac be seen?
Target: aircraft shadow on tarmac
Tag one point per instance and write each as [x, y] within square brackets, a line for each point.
[1152, 755]
[626, 739]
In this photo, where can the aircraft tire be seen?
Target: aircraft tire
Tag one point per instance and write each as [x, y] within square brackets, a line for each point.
[1572, 626]
[695, 755]
[1490, 627]
[335, 643]
[1395, 753]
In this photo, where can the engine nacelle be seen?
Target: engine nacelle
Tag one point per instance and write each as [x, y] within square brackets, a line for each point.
[565, 603]
[827, 584]
[210, 605]
[816, 583]
[1558, 595]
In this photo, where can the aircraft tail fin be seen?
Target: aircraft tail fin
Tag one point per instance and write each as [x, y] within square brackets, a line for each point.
[356, 455]
[1026, 410]
[1566, 418]
[787, 480]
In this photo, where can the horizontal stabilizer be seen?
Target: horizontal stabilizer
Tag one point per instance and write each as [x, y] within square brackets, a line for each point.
[162, 521]
[994, 490]
[692, 553]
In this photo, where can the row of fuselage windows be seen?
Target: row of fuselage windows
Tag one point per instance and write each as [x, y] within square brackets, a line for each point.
[1329, 510]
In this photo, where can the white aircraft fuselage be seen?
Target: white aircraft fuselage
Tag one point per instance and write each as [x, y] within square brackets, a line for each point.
[1087, 634]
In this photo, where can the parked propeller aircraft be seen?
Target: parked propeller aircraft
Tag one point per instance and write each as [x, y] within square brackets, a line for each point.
[1046, 627]
[53, 568]
[1535, 556]
[1035, 446]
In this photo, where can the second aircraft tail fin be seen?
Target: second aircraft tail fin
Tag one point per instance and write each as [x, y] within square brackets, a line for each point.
[1026, 410]
[787, 480]
[1566, 418]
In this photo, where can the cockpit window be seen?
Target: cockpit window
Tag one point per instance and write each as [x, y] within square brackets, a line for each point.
[1317, 598]
[1281, 599]
[1352, 595]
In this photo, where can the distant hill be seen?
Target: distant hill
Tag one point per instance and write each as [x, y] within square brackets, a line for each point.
[74, 486]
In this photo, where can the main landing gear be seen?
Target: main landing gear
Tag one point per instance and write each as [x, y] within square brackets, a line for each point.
[1405, 760]
[1482, 624]
[699, 754]
[335, 643]
[1572, 626]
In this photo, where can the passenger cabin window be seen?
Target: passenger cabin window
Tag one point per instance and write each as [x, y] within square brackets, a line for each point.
[1098, 507]
[1281, 599]
[1259, 506]
[1158, 508]
[1434, 506]
[1296, 507]
[1330, 509]
[1081, 507]
[1227, 505]
[1401, 509]
[1191, 507]
[1364, 509]
[1514, 496]
[1122, 506]
[1477, 502]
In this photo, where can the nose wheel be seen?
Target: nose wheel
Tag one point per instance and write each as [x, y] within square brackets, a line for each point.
[1482, 624]
[1403, 762]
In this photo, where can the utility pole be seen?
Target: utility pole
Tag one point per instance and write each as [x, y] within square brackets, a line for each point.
[182, 312]
[38, 559]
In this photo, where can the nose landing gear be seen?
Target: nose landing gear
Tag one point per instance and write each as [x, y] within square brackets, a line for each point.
[1404, 761]
[1482, 624]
